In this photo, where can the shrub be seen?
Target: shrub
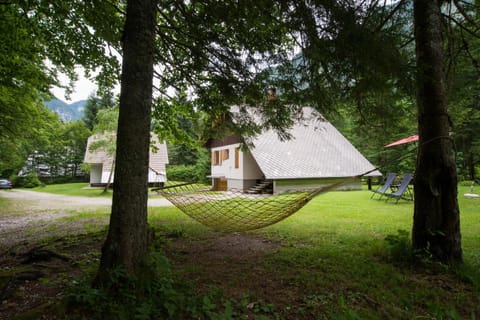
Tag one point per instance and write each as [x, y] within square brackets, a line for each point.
[182, 173]
[15, 180]
[189, 173]
[31, 180]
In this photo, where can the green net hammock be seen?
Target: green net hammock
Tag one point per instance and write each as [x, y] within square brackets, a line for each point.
[231, 211]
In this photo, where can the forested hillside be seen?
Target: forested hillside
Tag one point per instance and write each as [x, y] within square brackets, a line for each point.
[67, 112]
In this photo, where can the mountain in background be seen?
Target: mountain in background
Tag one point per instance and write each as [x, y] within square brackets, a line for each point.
[67, 112]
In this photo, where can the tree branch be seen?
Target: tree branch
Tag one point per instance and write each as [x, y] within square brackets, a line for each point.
[459, 24]
[463, 13]
[392, 13]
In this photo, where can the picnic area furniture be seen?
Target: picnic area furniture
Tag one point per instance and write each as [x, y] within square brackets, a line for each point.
[385, 188]
[404, 191]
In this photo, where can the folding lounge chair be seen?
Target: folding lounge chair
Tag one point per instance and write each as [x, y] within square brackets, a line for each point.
[403, 191]
[383, 190]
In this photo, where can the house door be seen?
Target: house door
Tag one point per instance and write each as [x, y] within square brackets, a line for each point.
[220, 184]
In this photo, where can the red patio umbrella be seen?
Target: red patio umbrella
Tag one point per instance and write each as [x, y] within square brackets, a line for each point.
[403, 141]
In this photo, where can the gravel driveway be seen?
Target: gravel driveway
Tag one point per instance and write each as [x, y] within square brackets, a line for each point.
[30, 207]
[48, 201]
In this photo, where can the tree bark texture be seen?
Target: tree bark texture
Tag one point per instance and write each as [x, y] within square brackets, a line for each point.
[436, 225]
[128, 236]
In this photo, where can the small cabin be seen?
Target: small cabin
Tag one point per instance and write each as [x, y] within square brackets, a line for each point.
[317, 154]
[101, 162]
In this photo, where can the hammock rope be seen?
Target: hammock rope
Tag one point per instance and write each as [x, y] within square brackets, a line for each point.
[232, 211]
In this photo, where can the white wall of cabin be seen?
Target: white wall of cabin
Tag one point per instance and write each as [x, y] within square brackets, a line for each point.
[153, 177]
[105, 175]
[242, 177]
[227, 167]
[95, 173]
[251, 170]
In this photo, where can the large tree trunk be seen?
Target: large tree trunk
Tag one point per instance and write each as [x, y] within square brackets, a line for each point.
[436, 224]
[128, 236]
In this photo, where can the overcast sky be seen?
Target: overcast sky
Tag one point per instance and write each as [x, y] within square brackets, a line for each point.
[83, 88]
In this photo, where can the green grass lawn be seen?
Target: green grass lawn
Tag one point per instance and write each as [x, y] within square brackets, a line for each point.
[335, 250]
[352, 214]
[73, 189]
[330, 260]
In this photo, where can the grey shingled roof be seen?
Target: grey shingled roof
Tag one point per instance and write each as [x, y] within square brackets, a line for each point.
[317, 150]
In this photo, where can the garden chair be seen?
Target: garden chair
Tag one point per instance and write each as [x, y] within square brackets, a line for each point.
[383, 190]
[403, 191]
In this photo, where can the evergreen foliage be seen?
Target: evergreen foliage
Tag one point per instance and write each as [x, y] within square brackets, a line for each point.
[464, 68]
[93, 105]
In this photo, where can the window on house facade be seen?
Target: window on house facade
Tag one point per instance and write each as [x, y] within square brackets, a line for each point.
[218, 156]
[215, 158]
[224, 154]
[237, 158]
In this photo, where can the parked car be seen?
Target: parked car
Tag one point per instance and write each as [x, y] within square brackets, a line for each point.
[5, 184]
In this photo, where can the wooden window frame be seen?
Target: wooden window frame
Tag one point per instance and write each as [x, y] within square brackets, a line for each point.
[237, 158]
[218, 156]
[224, 154]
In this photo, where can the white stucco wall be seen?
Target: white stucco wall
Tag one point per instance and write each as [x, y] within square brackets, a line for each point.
[153, 177]
[96, 173]
[227, 167]
[247, 168]
[105, 175]
[251, 170]
[234, 184]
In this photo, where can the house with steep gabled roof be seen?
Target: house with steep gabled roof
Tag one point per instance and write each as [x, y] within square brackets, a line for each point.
[317, 154]
[101, 162]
